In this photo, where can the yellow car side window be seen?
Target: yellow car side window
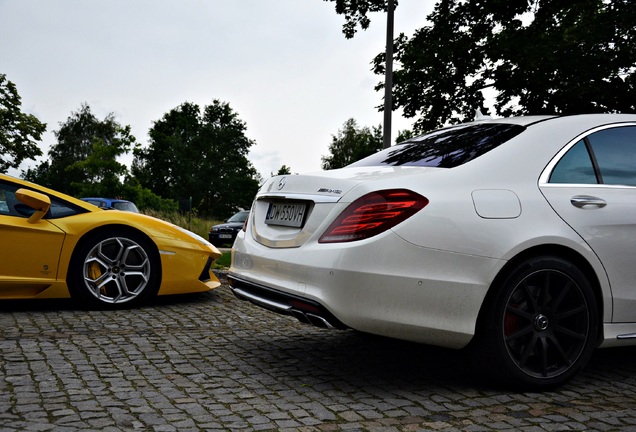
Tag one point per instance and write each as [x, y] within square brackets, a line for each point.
[7, 199]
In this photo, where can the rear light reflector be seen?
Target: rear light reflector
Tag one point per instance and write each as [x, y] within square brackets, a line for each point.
[373, 214]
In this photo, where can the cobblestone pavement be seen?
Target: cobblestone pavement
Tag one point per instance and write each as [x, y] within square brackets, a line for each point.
[211, 362]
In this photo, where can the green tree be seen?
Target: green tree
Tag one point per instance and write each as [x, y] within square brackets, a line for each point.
[403, 135]
[102, 169]
[535, 56]
[84, 159]
[351, 144]
[283, 170]
[18, 131]
[144, 198]
[355, 13]
[538, 57]
[199, 154]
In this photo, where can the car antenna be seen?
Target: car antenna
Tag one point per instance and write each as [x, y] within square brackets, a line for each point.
[479, 116]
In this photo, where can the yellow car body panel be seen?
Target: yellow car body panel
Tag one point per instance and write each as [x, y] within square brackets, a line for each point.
[35, 257]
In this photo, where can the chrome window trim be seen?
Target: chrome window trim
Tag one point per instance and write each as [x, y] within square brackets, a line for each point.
[545, 175]
[585, 185]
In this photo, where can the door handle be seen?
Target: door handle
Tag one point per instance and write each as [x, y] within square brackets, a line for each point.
[587, 202]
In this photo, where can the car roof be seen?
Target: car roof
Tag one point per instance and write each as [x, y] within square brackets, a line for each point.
[105, 199]
[51, 192]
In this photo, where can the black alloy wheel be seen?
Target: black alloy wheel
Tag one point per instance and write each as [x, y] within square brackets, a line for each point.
[543, 325]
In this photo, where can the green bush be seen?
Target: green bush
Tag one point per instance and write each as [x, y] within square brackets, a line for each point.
[197, 225]
[145, 199]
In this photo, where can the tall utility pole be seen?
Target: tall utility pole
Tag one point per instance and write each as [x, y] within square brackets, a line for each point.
[388, 79]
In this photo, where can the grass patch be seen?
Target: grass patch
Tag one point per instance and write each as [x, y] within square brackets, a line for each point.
[197, 225]
[223, 261]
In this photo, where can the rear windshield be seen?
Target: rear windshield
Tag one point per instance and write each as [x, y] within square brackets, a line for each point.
[239, 217]
[445, 148]
[125, 206]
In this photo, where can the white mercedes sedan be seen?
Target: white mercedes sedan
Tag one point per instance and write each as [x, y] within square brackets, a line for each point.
[514, 237]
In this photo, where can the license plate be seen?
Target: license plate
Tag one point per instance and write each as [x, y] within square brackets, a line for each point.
[286, 214]
[225, 236]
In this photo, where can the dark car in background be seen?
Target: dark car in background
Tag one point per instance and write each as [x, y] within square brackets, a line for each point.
[225, 233]
[112, 204]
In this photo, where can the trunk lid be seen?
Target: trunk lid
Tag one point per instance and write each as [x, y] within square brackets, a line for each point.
[290, 209]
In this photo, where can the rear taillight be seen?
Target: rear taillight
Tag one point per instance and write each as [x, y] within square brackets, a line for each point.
[372, 214]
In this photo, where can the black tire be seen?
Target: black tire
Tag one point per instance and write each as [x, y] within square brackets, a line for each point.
[115, 268]
[541, 327]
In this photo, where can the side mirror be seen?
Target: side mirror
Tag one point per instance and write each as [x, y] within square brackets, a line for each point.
[37, 201]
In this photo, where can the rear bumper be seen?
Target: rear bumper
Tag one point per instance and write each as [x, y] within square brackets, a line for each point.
[304, 310]
[396, 289]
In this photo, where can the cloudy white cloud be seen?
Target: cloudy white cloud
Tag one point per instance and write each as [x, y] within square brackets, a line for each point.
[283, 65]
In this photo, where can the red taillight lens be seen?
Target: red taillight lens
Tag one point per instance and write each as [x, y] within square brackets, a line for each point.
[372, 214]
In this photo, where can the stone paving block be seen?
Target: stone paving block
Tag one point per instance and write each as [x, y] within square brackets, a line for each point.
[211, 362]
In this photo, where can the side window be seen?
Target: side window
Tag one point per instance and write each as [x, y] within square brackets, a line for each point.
[10, 206]
[4, 204]
[8, 200]
[575, 167]
[615, 152]
[61, 209]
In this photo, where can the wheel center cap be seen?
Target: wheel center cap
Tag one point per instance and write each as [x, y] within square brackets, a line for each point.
[541, 322]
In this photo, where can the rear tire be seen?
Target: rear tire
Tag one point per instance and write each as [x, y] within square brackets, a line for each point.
[541, 327]
[114, 269]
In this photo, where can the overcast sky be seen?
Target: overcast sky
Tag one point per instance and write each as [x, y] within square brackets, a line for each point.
[283, 66]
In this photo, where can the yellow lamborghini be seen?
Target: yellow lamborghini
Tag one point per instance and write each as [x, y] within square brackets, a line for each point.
[56, 246]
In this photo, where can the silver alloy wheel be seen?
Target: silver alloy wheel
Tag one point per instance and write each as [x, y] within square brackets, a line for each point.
[116, 270]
